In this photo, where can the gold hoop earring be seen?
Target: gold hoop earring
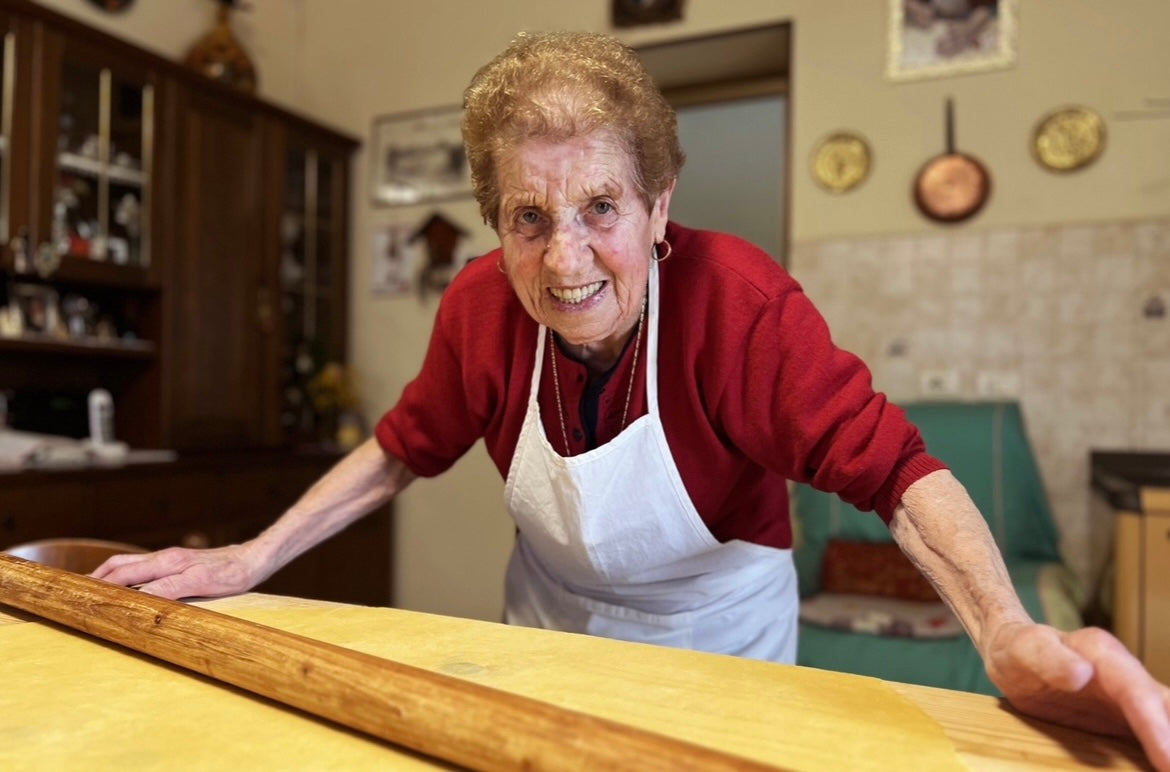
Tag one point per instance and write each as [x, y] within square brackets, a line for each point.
[500, 265]
[654, 251]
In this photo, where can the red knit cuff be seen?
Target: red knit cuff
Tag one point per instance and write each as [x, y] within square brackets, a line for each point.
[391, 445]
[911, 471]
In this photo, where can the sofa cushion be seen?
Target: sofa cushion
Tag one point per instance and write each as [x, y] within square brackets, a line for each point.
[985, 444]
[872, 568]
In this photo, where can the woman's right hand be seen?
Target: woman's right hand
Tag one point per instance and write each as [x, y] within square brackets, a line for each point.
[365, 479]
[178, 572]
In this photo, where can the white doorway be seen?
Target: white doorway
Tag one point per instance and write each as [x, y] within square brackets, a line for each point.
[731, 94]
[733, 180]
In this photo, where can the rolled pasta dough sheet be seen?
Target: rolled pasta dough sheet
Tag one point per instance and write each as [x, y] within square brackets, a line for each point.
[69, 698]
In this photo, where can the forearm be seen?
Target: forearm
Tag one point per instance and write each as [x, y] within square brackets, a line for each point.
[944, 535]
[361, 482]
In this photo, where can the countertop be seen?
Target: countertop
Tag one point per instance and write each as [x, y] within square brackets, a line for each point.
[1120, 475]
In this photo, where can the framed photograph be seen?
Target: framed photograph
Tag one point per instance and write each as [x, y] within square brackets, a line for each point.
[935, 38]
[39, 309]
[630, 13]
[418, 157]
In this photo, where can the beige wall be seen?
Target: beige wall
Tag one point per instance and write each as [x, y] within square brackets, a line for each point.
[346, 61]
[1050, 315]
[272, 32]
[1071, 51]
[364, 59]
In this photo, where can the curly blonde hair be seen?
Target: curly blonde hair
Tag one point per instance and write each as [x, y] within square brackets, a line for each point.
[561, 85]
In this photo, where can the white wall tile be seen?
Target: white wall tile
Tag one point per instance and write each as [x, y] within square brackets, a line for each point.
[1059, 305]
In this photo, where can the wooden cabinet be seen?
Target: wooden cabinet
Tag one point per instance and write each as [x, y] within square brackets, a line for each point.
[183, 246]
[203, 500]
[81, 297]
[1135, 489]
[1142, 588]
[169, 239]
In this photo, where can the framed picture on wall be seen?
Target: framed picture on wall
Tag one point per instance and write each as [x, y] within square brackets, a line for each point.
[935, 38]
[418, 157]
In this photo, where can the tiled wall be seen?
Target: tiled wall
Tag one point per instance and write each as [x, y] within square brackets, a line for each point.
[1072, 320]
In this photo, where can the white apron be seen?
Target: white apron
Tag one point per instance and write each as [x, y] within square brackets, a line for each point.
[610, 544]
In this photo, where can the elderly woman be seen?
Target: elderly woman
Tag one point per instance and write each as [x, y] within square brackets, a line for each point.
[646, 391]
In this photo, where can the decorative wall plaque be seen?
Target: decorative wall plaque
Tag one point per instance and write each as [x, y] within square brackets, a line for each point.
[1068, 139]
[841, 161]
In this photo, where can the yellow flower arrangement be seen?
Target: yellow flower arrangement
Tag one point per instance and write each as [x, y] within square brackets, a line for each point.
[331, 389]
[335, 405]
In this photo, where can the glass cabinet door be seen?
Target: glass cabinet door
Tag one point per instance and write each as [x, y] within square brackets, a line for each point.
[7, 96]
[300, 353]
[101, 201]
[311, 269]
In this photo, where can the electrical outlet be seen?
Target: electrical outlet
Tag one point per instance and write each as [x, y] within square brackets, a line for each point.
[997, 383]
[939, 383]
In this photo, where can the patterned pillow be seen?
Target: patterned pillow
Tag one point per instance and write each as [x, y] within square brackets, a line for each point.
[872, 568]
[878, 615]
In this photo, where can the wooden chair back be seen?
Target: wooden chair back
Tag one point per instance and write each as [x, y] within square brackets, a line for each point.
[77, 555]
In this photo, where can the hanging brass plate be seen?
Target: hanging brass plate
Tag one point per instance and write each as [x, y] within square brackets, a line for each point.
[1068, 139]
[841, 161]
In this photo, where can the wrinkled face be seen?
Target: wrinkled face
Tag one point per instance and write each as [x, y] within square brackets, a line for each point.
[577, 237]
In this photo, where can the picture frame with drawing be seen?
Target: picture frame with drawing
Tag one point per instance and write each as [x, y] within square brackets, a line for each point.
[939, 38]
[418, 157]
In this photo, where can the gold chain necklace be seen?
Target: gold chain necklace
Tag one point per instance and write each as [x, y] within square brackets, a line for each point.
[629, 389]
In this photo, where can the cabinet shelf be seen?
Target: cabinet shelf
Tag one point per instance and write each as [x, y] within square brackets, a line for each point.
[80, 164]
[96, 273]
[190, 273]
[197, 284]
[43, 344]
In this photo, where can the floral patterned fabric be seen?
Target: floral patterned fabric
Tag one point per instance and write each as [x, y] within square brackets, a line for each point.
[878, 615]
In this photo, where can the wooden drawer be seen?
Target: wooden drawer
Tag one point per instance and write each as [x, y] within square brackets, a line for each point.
[265, 493]
[174, 500]
[42, 508]
[205, 502]
[330, 571]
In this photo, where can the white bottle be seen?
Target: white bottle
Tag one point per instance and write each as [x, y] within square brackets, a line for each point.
[101, 417]
[103, 448]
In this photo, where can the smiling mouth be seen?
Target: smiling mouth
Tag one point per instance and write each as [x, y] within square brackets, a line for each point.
[576, 294]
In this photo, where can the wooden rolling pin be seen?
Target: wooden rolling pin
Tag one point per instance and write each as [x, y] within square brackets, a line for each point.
[449, 718]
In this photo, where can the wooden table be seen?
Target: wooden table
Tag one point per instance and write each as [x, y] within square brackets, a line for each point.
[71, 701]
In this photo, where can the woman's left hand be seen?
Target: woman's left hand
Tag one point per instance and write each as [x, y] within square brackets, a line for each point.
[1085, 679]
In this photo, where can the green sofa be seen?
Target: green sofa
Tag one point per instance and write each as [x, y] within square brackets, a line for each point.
[986, 446]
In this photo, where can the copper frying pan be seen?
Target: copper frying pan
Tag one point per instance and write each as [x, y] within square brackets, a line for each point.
[953, 186]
